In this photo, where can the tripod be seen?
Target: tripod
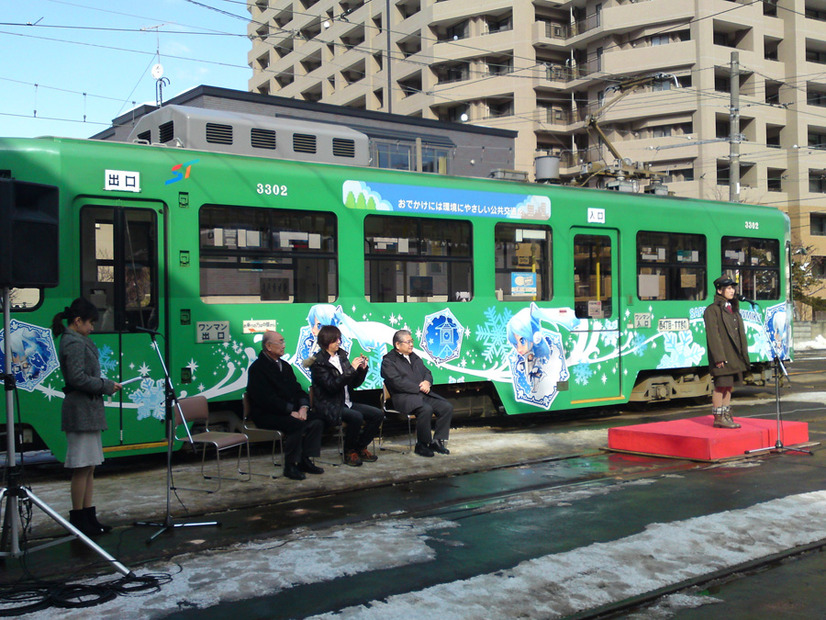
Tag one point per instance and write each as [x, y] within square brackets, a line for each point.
[14, 493]
[779, 373]
[172, 401]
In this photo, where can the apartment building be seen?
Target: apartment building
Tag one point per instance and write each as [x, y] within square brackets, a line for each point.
[653, 76]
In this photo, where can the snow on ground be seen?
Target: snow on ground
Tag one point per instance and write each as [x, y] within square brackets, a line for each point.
[565, 583]
[546, 587]
[819, 342]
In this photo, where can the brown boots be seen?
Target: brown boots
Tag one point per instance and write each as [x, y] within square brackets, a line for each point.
[722, 418]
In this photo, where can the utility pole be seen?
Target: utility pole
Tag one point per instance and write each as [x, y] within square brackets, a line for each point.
[734, 131]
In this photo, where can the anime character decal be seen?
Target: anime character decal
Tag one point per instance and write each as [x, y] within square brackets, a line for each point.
[33, 354]
[537, 361]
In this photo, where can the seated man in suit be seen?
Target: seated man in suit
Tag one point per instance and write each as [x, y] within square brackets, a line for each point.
[409, 383]
[278, 402]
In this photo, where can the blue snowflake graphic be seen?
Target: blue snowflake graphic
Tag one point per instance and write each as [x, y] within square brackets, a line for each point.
[373, 378]
[680, 350]
[108, 363]
[150, 399]
[639, 345]
[493, 335]
[582, 374]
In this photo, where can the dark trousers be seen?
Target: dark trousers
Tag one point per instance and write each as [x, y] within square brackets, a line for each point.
[302, 438]
[444, 413]
[362, 424]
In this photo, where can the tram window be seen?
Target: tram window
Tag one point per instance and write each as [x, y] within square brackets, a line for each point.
[251, 255]
[417, 259]
[671, 266]
[119, 266]
[523, 262]
[25, 299]
[592, 276]
[754, 264]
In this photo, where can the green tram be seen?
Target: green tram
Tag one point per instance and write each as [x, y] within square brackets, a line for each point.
[521, 297]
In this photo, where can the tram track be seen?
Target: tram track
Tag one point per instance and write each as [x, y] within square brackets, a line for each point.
[699, 583]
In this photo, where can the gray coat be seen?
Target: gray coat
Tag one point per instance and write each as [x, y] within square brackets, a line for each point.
[80, 365]
[726, 338]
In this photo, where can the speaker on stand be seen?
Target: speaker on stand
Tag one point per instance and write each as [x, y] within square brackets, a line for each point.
[29, 258]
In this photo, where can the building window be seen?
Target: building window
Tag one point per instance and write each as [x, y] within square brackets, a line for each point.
[754, 264]
[671, 266]
[817, 181]
[817, 224]
[435, 159]
[267, 255]
[409, 259]
[392, 155]
[523, 262]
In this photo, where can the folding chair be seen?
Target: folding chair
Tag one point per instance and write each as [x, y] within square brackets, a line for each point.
[196, 409]
[388, 410]
[256, 434]
[337, 430]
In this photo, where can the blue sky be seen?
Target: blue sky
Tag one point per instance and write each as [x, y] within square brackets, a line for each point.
[107, 50]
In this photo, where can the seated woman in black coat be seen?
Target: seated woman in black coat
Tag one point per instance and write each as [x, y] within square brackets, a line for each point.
[333, 377]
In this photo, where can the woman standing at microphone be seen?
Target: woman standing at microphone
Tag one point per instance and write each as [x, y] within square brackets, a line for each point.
[728, 349]
[83, 416]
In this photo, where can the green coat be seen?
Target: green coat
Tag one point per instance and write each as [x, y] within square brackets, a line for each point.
[726, 338]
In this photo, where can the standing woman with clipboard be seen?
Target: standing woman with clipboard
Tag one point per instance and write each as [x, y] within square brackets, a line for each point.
[83, 416]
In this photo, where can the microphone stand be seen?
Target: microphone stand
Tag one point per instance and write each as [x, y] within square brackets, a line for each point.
[13, 491]
[779, 372]
[171, 401]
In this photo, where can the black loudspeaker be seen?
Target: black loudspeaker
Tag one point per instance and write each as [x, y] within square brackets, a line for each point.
[28, 234]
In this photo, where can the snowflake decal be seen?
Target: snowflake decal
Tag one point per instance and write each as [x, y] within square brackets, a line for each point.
[638, 345]
[582, 374]
[373, 378]
[150, 399]
[680, 350]
[493, 335]
[108, 363]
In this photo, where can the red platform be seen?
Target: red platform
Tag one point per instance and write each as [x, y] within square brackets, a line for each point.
[697, 439]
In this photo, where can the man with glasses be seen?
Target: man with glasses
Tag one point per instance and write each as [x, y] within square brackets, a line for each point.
[409, 383]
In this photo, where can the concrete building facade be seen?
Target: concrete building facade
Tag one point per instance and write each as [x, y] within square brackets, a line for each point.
[653, 76]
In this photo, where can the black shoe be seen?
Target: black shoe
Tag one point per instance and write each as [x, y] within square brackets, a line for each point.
[308, 467]
[422, 450]
[439, 446]
[292, 472]
[91, 516]
[80, 519]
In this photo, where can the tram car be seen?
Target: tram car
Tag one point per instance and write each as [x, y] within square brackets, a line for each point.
[522, 298]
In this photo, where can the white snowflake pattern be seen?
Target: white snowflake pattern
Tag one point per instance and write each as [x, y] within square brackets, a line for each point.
[394, 319]
[604, 379]
[144, 370]
[192, 365]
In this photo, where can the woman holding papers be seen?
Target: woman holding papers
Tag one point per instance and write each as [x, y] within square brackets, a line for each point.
[83, 416]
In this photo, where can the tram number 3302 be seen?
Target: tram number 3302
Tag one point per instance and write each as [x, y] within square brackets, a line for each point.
[752, 225]
[271, 190]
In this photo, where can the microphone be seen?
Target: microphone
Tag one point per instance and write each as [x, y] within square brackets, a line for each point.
[147, 330]
[746, 299]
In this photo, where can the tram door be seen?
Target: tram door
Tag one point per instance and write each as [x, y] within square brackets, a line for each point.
[119, 273]
[597, 306]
